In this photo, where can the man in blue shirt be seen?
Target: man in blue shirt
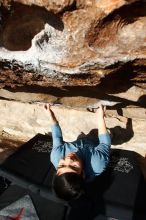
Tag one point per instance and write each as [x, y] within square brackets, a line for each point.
[78, 161]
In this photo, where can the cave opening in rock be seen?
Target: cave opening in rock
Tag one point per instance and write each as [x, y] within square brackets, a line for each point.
[20, 23]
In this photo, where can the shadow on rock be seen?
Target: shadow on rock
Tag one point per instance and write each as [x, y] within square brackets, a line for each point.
[142, 101]
[90, 138]
[121, 135]
[118, 134]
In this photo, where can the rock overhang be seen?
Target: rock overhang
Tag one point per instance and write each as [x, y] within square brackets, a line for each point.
[78, 44]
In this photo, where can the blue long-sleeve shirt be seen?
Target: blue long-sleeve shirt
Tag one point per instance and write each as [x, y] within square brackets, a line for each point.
[95, 157]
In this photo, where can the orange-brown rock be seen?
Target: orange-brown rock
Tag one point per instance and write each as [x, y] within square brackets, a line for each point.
[81, 44]
[51, 5]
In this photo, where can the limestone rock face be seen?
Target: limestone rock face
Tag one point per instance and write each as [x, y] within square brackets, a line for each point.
[51, 5]
[82, 43]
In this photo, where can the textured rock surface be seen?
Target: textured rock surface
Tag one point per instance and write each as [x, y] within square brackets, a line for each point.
[51, 5]
[73, 46]
[25, 120]
[22, 118]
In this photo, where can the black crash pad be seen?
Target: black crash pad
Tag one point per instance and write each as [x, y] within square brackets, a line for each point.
[119, 192]
[31, 162]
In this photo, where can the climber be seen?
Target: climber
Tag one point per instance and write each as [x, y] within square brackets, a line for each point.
[79, 161]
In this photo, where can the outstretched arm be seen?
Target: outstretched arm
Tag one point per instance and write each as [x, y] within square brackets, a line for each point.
[104, 137]
[51, 114]
[101, 120]
[56, 130]
[101, 152]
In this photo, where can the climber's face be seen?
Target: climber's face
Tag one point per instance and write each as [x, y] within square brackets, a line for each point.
[70, 164]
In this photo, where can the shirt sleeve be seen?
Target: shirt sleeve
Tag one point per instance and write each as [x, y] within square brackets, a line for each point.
[104, 144]
[100, 154]
[56, 135]
[104, 139]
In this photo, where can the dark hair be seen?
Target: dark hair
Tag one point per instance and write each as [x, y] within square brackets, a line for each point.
[68, 186]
